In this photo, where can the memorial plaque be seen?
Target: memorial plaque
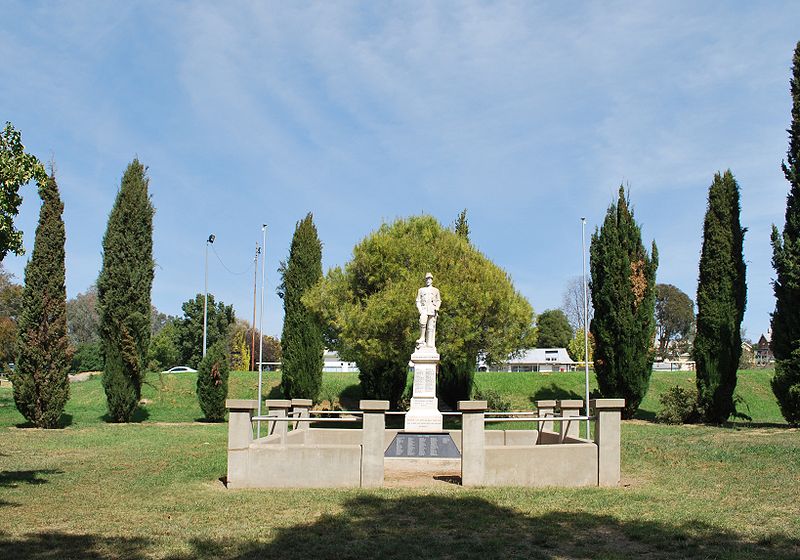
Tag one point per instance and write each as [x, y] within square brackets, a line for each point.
[425, 380]
[423, 446]
[424, 404]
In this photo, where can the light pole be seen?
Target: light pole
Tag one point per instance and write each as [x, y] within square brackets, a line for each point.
[261, 321]
[210, 240]
[585, 323]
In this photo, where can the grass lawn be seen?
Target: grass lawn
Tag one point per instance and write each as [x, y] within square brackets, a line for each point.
[151, 489]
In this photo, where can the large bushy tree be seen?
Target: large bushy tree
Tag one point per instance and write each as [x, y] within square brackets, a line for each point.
[721, 297]
[83, 318]
[270, 349]
[371, 318]
[674, 317]
[163, 350]
[786, 261]
[572, 303]
[623, 293]
[577, 346]
[10, 309]
[554, 329]
[238, 346]
[189, 335]
[301, 340]
[41, 384]
[16, 169]
[123, 293]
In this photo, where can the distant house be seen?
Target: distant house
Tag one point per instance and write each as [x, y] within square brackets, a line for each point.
[332, 362]
[763, 350]
[680, 358]
[535, 359]
[682, 363]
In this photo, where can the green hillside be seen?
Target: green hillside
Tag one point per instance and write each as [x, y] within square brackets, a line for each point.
[171, 397]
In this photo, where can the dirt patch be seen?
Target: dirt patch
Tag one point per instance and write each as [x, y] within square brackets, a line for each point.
[83, 376]
[416, 473]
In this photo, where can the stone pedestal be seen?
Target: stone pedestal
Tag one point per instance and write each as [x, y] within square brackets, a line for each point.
[424, 415]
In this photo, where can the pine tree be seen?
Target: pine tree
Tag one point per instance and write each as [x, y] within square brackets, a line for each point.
[41, 384]
[123, 290]
[786, 261]
[623, 292]
[721, 298]
[212, 383]
[301, 340]
[461, 226]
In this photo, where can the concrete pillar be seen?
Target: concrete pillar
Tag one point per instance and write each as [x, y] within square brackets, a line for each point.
[372, 443]
[300, 408]
[545, 409]
[607, 431]
[570, 428]
[240, 435]
[279, 408]
[240, 428]
[473, 442]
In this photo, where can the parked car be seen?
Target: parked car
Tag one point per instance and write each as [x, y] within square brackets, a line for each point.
[180, 369]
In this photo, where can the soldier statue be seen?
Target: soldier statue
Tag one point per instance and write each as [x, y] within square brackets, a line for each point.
[428, 302]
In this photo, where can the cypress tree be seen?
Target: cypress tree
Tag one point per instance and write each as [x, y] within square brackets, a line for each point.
[786, 261]
[41, 384]
[721, 298]
[123, 291]
[461, 226]
[212, 382]
[301, 340]
[623, 292]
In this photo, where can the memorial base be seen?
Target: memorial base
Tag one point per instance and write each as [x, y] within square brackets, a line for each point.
[423, 415]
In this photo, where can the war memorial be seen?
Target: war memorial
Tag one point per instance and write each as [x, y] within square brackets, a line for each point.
[304, 448]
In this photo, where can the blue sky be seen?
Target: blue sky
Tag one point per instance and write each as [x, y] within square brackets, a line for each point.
[528, 114]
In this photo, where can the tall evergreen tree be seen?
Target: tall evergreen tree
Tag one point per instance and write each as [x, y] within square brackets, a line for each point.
[623, 292]
[721, 298]
[461, 226]
[123, 291]
[41, 385]
[301, 340]
[786, 261]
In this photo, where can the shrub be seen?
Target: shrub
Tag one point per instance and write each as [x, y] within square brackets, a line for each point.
[212, 383]
[494, 400]
[87, 357]
[786, 386]
[678, 406]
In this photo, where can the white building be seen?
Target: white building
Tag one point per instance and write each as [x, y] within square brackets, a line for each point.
[332, 362]
[535, 359]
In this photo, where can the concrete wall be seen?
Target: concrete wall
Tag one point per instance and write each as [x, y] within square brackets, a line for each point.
[541, 465]
[299, 466]
[334, 457]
